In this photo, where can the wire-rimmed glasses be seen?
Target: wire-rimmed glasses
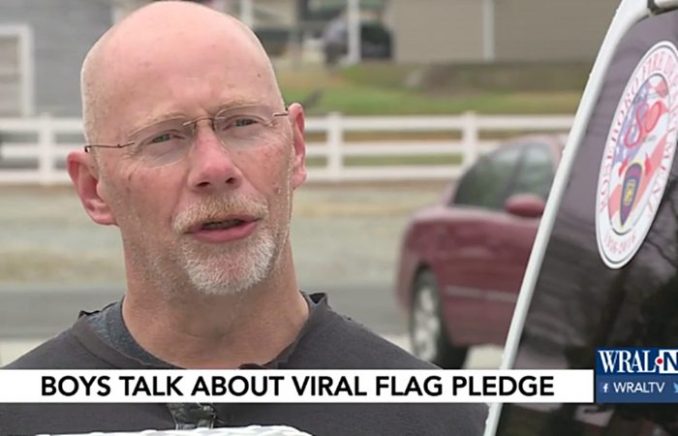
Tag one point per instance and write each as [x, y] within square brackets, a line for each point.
[169, 141]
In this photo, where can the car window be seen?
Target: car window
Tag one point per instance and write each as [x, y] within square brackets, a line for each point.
[486, 184]
[603, 281]
[536, 171]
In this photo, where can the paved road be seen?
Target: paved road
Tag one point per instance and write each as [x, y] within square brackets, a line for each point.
[30, 315]
[37, 312]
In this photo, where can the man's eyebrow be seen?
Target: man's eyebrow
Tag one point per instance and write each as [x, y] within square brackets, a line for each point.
[238, 104]
[171, 116]
[182, 116]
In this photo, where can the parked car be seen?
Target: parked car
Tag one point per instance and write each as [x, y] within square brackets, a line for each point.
[376, 41]
[463, 259]
[604, 270]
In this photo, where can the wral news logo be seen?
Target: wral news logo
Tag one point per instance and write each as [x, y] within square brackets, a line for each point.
[637, 361]
[637, 375]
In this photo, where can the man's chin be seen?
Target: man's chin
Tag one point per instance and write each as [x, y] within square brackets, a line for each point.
[212, 278]
[221, 289]
[231, 269]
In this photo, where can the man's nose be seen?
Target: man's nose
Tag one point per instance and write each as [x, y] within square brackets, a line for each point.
[211, 163]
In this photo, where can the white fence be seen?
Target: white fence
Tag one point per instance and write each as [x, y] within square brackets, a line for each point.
[34, 150]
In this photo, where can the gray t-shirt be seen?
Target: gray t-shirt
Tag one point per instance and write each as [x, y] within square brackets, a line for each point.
[327, 341]
[109, 325]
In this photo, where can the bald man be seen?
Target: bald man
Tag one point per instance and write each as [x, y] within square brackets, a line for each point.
[194, 156]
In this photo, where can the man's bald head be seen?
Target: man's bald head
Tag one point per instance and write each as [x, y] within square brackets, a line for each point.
[137, 45]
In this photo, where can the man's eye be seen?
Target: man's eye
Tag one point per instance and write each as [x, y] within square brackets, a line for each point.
[243, 122]
[164, 137]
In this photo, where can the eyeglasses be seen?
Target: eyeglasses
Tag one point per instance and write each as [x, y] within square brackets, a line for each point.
[169, 141]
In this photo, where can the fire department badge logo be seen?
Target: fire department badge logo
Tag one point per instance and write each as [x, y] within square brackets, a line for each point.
[638, 156]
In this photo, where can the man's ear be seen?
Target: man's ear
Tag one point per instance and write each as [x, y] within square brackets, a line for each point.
[296, 115]
[84, 174]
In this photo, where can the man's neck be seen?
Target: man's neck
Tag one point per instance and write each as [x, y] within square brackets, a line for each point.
[197, 331]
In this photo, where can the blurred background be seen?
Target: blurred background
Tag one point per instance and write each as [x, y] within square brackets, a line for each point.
[434, 130]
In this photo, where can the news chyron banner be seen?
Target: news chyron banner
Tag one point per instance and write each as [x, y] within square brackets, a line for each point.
[296, 386]
[637, 375]
[621, 375]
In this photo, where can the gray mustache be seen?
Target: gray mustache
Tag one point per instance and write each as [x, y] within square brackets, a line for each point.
[214, 210]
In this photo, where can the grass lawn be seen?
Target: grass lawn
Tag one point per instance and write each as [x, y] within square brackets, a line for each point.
[388, 89]
[384, 89]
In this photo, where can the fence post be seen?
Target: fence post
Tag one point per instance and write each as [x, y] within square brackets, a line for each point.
[470, 139]
[46, 144]
[335, 139]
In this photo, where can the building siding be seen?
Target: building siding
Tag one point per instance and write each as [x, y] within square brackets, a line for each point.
[524, 30]
[437, 31]
[62, 32]
[551, 30]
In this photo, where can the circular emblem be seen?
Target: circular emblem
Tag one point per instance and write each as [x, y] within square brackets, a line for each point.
[638, 156]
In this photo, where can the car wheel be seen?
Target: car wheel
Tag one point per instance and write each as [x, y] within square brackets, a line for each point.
[426, 327]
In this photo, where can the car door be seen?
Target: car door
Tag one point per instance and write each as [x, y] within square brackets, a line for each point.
[470, 260]
[513, 236]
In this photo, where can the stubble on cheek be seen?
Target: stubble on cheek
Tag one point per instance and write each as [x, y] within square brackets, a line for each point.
[149, 252]
[128, 195]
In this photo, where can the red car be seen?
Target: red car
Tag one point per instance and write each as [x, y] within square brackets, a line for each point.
[463, 259]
